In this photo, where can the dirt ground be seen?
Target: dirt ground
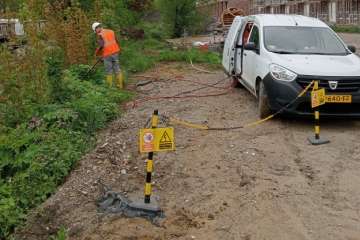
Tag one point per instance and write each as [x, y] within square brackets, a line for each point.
[264, 182]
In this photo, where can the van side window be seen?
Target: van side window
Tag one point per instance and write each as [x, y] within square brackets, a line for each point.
[254, 37]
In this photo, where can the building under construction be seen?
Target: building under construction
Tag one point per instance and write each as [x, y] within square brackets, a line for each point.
[344, 12]
[216, 8]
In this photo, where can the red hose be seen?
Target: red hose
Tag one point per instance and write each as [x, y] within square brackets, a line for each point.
[135, 103]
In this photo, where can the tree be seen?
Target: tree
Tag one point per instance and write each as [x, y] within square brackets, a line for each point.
[11, 5]
[178, 15]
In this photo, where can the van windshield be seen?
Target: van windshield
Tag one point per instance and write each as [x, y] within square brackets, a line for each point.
[303, 40]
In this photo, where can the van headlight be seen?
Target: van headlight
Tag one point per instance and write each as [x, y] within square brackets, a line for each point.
[282, 74]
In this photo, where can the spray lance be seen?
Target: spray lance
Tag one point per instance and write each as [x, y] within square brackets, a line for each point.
[93, 67]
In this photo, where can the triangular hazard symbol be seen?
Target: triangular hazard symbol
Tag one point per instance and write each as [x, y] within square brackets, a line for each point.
[165, 138]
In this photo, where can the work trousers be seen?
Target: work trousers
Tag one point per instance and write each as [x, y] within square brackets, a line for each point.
[111, 64]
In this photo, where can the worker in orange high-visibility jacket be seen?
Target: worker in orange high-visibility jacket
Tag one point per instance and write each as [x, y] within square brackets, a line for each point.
[109, 49]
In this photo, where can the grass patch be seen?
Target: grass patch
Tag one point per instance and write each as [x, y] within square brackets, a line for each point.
[346, 29]
[139, 56]
[193, 55]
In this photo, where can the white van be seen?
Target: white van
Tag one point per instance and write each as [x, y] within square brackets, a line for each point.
[276, 56]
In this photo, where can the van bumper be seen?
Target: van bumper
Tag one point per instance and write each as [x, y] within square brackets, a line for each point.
[281, 93]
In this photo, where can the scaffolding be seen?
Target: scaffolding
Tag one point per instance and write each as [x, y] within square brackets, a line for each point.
[221, 6]
[348, 12]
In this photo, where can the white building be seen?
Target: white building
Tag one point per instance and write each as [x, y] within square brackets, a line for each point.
[345, 12]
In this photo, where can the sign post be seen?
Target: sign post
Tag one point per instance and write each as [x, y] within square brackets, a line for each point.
[317, 99]
[152, 140]
[149, 163]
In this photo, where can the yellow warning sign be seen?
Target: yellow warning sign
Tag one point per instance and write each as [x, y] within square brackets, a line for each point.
[156, 140]
[165, 141]
[318, 98]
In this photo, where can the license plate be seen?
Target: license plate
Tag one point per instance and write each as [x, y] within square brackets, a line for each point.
[338, 98]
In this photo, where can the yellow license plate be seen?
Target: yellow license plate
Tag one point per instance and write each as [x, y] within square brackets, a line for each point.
[338, 98]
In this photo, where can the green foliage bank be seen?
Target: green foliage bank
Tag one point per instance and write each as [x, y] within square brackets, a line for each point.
[51, 107]
[40, 151]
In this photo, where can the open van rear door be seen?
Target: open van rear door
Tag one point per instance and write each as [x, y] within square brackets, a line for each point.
[228, 60]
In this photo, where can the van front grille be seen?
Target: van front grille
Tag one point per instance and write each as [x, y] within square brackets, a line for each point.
[345, 84]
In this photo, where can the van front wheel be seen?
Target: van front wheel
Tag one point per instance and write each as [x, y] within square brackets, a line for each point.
[264, 108]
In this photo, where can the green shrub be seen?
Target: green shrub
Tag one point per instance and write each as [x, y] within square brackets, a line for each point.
[178, 16]
[60, 235]
[88, 73]
[37, 155]
[154, 31]
[11, 115]
[55, 67]
[61, 118]
[10, 214]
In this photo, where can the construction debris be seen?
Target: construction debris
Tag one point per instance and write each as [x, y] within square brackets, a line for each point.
[117, 203]
[228, 16]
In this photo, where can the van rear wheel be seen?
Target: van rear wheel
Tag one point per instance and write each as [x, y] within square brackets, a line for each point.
[264, 108]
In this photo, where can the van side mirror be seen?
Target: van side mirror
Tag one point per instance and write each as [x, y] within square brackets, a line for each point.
[251, 46]
[352, 48]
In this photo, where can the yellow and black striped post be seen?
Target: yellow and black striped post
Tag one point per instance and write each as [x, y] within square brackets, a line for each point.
[317, 115]
[149, 162]
[316, 140]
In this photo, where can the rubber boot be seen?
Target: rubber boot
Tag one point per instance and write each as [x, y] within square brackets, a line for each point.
[109, 80]
[120, 80]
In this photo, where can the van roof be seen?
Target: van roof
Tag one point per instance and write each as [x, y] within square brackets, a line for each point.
[288, 20]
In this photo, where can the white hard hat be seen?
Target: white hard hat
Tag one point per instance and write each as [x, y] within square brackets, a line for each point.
[95, 25]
